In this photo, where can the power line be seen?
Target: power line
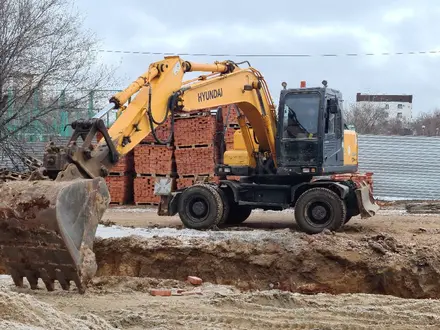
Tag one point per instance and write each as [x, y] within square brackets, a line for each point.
[267, 55]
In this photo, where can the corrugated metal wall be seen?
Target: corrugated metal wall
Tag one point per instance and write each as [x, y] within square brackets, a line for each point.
[404, 167]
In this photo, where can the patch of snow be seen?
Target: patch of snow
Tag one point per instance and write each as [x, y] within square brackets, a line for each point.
[119, 231]
[133, 209]
[5, 277]
[397, 199]
[186, 234]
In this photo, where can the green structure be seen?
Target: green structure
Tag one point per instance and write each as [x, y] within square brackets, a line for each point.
[69, 106]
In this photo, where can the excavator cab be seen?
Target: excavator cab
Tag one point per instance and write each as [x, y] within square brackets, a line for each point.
[310, 135]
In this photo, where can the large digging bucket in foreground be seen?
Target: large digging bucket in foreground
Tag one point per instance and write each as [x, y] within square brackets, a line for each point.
[47, 229]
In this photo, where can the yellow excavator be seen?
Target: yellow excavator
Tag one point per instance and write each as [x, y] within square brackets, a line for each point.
[289, 159]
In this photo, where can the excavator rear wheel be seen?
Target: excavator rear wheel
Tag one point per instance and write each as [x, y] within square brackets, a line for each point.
[318, 209]
[201, 206]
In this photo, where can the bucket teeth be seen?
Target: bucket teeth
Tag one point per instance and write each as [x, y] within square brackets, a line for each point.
[47, 229]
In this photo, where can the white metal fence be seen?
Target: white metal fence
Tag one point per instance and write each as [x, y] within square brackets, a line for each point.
[404, 167]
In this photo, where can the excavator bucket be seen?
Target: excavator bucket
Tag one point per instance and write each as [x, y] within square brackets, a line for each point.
[367, 206]
[47, 229]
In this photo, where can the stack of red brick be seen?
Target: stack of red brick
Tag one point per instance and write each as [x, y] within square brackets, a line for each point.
[153, 159]
[144, 190]
[196, 160]
[162, 132]
[194, 153]
[120, 188]
[196, 130]
[230, 115]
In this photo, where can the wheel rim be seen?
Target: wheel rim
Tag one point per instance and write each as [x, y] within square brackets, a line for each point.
[198, 208]
[318, 214]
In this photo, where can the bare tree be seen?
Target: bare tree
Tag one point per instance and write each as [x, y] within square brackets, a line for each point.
[427, 123]
[367, 118]
[43, 51]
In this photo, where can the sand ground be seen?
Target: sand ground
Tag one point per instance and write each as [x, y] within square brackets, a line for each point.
[402, 248]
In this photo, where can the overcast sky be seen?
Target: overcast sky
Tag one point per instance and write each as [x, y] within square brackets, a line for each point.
[288, 27]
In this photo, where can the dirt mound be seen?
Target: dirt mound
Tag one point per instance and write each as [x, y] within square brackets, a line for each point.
[21, 311]
[332, 263]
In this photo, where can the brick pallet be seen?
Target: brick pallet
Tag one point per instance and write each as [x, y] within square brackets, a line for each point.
[144, 191]
[162, 132]
[233, 114]
[150, 162]
[120, 188]
[125, 164]
[154, 159]
[196, 130]
[196, 153]
[196, 160]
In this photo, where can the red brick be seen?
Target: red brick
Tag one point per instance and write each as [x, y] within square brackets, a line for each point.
[153, 159]
[196, 130]
[144, 190]
[162, 132]
[160, 292]
[196, 161]
[194, 280]
[120, 188]
[233, 115]
[125, 164]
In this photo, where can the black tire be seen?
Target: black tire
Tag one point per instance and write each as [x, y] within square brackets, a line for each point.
[238, 214]
[200, 207]
[318, 209]
[226, 204]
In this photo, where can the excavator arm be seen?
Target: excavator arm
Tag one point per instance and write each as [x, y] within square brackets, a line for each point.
[159, 93]
[48, 223]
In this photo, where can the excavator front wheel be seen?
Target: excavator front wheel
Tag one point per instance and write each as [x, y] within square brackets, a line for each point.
[201, 206]
[318, 209]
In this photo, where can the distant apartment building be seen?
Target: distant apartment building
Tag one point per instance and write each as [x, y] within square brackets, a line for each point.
[398, 106]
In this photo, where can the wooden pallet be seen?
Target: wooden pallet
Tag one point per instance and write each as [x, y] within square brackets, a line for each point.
[190, 176]
[194, 146]
[156, 144]
[119, 173]
[146, 204]
[117, 203]
[154, 175]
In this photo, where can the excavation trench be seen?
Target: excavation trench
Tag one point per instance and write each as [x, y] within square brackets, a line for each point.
[288, 261]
